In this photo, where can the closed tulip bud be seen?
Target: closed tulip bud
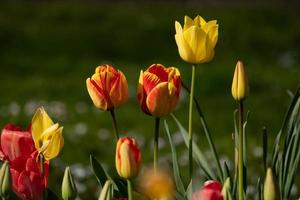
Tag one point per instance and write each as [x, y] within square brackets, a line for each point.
[211, 190]
[226, 190]
[68, 189]
[271, 188]
[128, 158]
[108, 87]
[46, 135]
[107, 191]
[5, 180]
[240, 86]
[197, 39]
[158, 90]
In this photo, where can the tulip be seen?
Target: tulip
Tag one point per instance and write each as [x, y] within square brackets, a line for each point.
[17, 147]
[158, 90]
[211, 190]
[240, 87]
[157, 184]
[128, 158]
[5, 180]
[47, 136]
[196, 40]
[108, 87]
[68, 190]
[271, 187]
[107, 191]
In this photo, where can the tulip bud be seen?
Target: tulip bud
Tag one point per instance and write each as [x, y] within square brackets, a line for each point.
[5, 180]
[107, 191]
[68, 189]
[226, 190]
[271, 187]
[128, 158]
[108, 87]
[239, 87]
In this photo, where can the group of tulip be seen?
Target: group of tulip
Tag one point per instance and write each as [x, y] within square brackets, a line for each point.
[27, 154]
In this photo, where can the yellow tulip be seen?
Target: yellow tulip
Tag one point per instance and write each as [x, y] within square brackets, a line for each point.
[47, 136]
[239, 87]
[197, 39]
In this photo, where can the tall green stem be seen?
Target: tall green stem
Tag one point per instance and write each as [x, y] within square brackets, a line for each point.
[116, 131]
[241, 152]
[156, 135]
[129, 187]
[42, 160]
[191, 122]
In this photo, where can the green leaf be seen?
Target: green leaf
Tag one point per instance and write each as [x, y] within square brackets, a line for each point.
[197, 153]
[189, 190]
[265, 147]
[99, 171]
[177, 177]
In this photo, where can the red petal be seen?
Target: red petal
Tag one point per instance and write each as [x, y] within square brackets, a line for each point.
[16, 143]
[31, 185]
[160, 71]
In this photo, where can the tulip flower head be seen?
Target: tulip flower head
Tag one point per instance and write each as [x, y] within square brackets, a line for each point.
[128, 158]
[240, 87]
[211, 190]
[108, 87]
[158, 90]
[157, 185]
[271, 188]
[17, 147]
[196, 40]
[47, 136]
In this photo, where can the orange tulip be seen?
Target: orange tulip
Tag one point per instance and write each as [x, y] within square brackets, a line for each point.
[108, 87]
[128, 158]
[158, 90]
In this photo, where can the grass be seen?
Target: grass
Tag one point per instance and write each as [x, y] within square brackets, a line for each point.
[49, 49]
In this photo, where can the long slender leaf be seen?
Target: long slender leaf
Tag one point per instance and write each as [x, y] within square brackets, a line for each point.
[265, 147]
[197, 153]
[177, 176]
[207, 134]
[99, 171]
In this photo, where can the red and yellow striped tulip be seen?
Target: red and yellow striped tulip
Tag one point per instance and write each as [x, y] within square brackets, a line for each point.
[128, 158]
[159, 89]
[108, 87]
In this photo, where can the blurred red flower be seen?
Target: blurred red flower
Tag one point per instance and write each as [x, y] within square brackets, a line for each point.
[211, 190]
[17, 147]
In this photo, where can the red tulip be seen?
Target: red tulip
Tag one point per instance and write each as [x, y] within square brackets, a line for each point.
[211, 190]
[17, 147]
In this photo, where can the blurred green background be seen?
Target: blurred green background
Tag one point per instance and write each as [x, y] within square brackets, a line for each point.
[48, 49]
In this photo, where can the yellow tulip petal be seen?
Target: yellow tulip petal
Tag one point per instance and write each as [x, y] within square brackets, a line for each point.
[178, 27]
[211, 28]
[196, 39]
[199, 21]
[56, 142]
[40, 122]
[188, 22]
[185, 51]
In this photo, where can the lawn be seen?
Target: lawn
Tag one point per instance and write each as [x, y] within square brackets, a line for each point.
[47, 50]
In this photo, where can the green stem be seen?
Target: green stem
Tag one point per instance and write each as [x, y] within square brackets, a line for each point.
[42, 160]
[129, 187]
[156, 135]
[207, 133]
[191, 122]
[241, 152]
[116, 131]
